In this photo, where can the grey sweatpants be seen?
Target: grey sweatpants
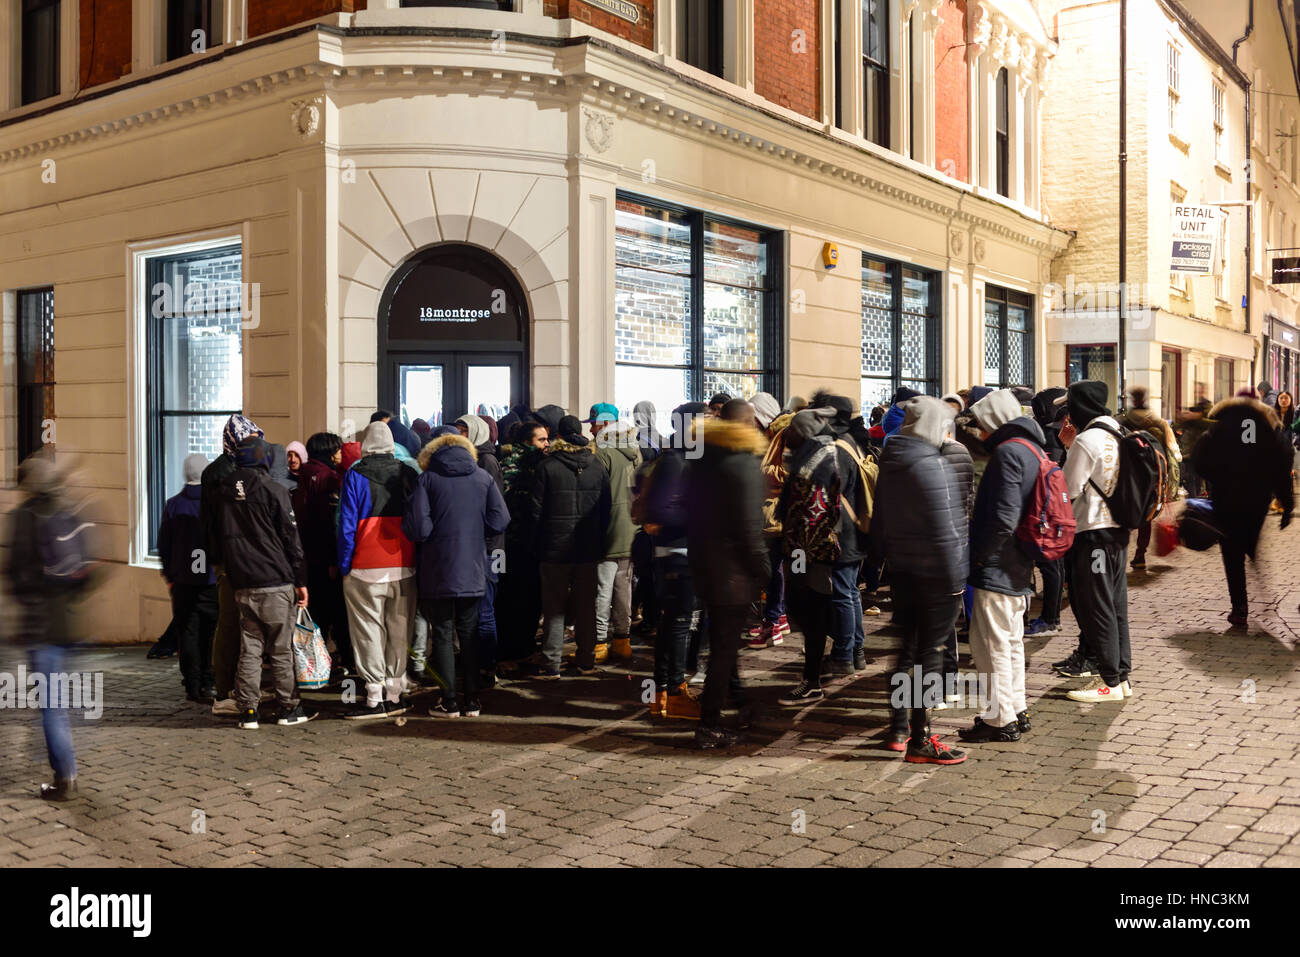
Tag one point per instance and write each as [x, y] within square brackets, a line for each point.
[381, 618]
[266, 620]
[613, 599]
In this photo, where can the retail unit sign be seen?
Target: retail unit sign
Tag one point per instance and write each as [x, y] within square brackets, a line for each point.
[1195, 234]
[620, 8]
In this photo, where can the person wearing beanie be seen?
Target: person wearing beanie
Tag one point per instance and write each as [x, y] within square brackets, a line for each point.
[571, 515]
[421, 428]
[1097, 561]
[315, 507]
[1001, 572]
[766, 408]
[191, 581]
[226, 641]
[617, 450]
[893, 419]
[476, 429]
[295, 454]
[550, 416]
[377, 562]
[258, 545]
[920, 522]
[454, 509]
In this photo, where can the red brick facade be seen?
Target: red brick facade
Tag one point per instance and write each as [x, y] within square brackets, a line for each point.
[641, 33]
[786, 58]
[105, 41]
[265, 16]
[952, 93]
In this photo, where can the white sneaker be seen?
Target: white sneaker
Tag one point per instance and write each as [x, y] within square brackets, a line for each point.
[225, 706]
[1097, 690]
[697, 679]
[1128, 689]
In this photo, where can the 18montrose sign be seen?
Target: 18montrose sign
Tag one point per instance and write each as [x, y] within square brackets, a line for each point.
[620, 8]
[1195, 234]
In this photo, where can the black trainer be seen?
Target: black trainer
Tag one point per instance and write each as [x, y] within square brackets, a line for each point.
[841, 668]
[930, 751]
[364, 712]
[248, 719]
[62, 789]
[1077, 665]
[801, 694]
[707, 739]
[859, 661]
[295, 715]
[1022, 722]
[982, 733]
[472, 708]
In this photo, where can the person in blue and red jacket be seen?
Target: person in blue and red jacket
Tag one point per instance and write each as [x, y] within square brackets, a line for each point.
[377, 561]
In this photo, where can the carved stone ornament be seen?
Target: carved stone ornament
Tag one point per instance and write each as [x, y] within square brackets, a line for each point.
[599, 129]
[956, 243]
[977, 248]
[306, 116]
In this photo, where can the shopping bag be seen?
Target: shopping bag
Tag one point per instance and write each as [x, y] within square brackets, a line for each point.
[1166, 535]
[311, 661]
[1197, 528]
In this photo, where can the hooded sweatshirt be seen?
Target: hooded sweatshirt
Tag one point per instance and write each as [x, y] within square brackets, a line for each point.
[237, 428]
[256, 537]
[480, 436]
[617, 450]
[180, 538]
[371, 504]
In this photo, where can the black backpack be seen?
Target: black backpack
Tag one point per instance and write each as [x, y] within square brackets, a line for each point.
[62, 540]
[1138, 495]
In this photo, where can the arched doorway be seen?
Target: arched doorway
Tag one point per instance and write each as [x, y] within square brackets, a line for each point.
[453, 326]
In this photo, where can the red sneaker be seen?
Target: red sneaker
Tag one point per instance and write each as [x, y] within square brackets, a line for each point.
[932, 752]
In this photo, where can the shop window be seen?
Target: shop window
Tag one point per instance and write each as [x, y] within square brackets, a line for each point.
[1008, 338]
[699, 34]
[875, 71]
[1224, 387]
[35, 373]
[697, 307]
[900, 330]
[1095, 362]
[193, 26]
[39, 56]
[194, 356]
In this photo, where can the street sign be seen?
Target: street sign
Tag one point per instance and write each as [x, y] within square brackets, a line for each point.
[622, 9]
[1195, 235]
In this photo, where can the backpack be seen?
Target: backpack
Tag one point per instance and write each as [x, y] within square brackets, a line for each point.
[62, 542]
[1047, 529]
[812, 512]
[859, 509]
[1140, 485]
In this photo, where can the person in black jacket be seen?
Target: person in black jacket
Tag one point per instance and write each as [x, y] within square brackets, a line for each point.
[571, 508]
[478, 432]
[1001, 571]
[519, 595]
[1050, 417]
[920, 522]
[225, 643]
[316, 510]
[728, 554]
[1246, 459]
[191, 581]
[256, 541]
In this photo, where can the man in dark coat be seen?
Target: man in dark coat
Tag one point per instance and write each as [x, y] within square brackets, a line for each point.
[571, 512]
[1001, 571]
[519, 595]
[315, 507]
[1246, 459]
[190, 580]
[920, 522]
[1050, 417]
[455, 509]
[728, 555]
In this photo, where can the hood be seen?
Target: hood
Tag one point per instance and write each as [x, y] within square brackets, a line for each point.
[1046, 411]
[997, 409]
[623, 437]
[478, 432]
[279, 462]
[1240, 407]
[237, 429]
[730, 436]
[766, 408]
[377, 439]
[1021, 427]
[192, 468]
[253, 453]
[573, 456]
[404, 437]
[449, 455]
[350, 452]
[550, 415]
[780, 422]
[928, 419]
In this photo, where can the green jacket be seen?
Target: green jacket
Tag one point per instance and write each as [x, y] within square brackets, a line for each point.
[621, 457]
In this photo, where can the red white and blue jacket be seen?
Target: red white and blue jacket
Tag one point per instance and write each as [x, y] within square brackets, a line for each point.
[371, 505]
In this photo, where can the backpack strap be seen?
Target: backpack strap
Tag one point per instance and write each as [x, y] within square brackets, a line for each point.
[1119, 437]
[1027, 444]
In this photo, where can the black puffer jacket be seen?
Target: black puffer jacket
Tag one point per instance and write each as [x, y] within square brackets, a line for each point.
[571, 504]
[920, 515]
[724, 513]
[998, 563]
[488, 462]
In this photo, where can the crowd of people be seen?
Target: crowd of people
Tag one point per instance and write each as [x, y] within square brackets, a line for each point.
[443, 559]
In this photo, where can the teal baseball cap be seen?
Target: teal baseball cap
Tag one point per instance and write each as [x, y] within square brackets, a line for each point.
[603, 412]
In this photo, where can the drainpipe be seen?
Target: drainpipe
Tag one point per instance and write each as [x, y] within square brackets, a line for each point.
[1250, 233]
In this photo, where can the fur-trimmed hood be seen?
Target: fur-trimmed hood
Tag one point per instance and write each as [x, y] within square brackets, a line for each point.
[1241, 401]
[559, 445]
[730, 436]
[442, 442]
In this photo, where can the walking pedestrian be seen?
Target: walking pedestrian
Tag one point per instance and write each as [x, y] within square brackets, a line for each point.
[1140, 418]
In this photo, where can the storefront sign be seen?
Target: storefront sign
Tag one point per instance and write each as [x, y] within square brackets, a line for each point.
[455, 292]
[1286, 269]
[620, 8]
[1195, 234]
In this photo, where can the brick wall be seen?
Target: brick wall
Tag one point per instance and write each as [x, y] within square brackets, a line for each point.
[952, 93]
[265, 16]
[105, 42]
[641, 33]
[786, 62]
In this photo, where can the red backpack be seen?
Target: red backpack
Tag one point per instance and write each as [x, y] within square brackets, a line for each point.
[1047, 530]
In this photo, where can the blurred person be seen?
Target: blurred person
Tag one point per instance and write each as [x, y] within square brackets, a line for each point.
[718, 400]
[1190, 425]
[1246, 459]
[571, 514]
[50, 570]
[258, 545]
[191, 581]
[644, 416]
[774, 624]
[920, 522]
[729, 559]
[455, 509]
[619, 453]
[1140, 418]
[377, 562]
[226, 642]
[315, 508]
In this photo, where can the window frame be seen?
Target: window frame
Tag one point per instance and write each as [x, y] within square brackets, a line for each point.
[772, 316]
[877, 107]
[1002, 132]
[24, 443]
[213, 12]
[708, 46]
[21, 97]
[933, 330]
[1003, 296]
[1173, 71]
[1218, 94]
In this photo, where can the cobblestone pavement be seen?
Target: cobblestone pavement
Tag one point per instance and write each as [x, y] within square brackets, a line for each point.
[1199, 768]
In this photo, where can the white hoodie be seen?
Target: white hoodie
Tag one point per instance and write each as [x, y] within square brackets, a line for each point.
[1094, 457]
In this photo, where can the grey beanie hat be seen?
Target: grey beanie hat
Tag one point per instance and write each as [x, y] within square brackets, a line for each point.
[192, 468]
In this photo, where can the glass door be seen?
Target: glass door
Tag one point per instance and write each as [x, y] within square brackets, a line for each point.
[420, 388]
[491, 384]
[441, 387]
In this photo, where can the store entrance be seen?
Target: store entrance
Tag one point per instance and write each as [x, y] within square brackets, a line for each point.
[452, 337]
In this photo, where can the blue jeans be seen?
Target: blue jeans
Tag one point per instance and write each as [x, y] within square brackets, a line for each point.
[487, 623]
[776, 584]
[847, 635]
[47, 660]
